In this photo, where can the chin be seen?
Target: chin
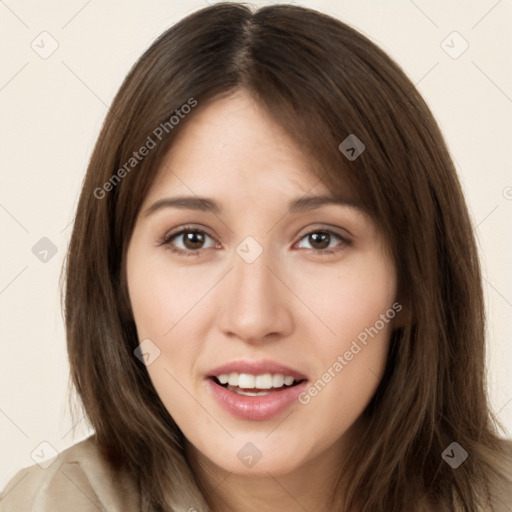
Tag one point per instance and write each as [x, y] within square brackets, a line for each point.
[257, 456]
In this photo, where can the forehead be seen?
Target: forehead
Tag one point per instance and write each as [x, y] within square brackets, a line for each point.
[233, 143]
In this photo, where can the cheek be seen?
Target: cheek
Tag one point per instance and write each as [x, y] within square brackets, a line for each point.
[167, 310]
[352, 349]
[347, 300]
[347, 379]
[160, 301]
[164, 299]
[154, 304]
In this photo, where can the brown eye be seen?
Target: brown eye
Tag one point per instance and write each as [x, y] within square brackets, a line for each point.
[193, 239]
[188, 241]
[321, 241]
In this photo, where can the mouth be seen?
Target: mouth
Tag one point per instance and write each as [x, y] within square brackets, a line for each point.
[255, 385]
[255, 391]
[254, 401]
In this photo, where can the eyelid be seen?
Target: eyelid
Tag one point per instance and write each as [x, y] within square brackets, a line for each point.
[187, 227]
[341, 232]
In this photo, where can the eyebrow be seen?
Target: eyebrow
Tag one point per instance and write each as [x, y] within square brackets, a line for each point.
[206, 204]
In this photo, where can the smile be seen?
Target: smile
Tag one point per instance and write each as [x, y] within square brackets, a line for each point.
[254, 385]
[254, 404]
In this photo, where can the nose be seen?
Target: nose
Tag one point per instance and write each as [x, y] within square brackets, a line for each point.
[255, 302]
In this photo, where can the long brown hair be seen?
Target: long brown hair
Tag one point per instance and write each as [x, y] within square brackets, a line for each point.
[322, 81]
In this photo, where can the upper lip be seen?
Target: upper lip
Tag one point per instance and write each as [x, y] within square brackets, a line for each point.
[256, 368]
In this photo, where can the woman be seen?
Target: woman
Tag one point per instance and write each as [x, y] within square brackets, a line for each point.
[273, 295]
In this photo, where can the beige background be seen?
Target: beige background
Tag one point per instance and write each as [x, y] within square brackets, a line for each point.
[52, 110]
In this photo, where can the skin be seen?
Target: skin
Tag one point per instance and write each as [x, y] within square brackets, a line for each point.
[290, 305]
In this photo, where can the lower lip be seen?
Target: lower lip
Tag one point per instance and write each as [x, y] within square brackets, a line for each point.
[256, 408]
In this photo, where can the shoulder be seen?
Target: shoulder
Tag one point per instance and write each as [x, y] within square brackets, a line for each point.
[79, 478]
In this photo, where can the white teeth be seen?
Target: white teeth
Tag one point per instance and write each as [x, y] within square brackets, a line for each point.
[263, 381]
[248, 381]
[245, 381]
[277, 381]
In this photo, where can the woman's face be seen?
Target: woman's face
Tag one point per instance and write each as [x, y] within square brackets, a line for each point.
[259, 286]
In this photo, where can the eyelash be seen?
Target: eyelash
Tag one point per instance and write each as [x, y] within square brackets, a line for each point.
[167, 239]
